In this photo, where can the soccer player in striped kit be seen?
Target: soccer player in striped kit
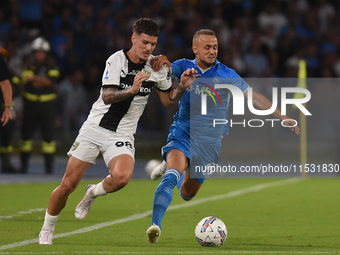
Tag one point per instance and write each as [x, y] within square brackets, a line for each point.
[126, 84]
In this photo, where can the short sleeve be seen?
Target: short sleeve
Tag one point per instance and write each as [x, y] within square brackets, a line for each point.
[164, 82]
[237, 80]
[178, 67]
[113, 68]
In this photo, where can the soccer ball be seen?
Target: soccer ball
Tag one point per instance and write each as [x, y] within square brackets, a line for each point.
[211, 231]
[151, 165]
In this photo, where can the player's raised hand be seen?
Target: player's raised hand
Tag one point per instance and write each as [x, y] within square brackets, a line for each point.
[291, 123]
[137, 82]
[188, 77]
[158, 61]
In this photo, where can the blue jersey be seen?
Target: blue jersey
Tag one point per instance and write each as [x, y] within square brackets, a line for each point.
[189, 118]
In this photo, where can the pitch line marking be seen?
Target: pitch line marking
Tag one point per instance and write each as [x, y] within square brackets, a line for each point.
[149, 213]
[21, 213]
[174, 252]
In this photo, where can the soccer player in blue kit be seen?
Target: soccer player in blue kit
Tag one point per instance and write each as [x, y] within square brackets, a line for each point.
[190, 141]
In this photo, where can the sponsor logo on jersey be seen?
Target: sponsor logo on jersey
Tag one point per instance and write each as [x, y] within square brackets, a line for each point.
[143, 90]
[133, 72]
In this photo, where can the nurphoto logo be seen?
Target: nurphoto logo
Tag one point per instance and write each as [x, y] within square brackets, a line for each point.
[238, 104]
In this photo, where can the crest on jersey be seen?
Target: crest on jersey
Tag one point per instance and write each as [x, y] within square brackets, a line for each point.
[147, 72]
[75, 146]
[216, 79]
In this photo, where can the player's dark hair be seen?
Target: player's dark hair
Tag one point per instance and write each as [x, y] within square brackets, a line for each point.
[146, 26]
[203, 32]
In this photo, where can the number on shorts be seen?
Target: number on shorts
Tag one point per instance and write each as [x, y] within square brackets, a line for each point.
[127, 144]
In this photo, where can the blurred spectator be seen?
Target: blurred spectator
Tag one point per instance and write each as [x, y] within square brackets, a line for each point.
[268, 38]
[72, 101]
[221, 29]
[242, 33]
[272, 17]
[287, 45]
[22, 54]
[6, 114]
[4, 27]
[312, 59]
[39, 93]
[326, 14]
[292, 63]
[92, 84]
[31, 13]
[256, 62]
[61, 43]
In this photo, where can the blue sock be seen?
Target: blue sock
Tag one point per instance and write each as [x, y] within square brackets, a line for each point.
[179, 183]
[163, 195]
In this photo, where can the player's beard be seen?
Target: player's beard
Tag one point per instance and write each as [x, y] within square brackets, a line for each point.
[141, 58]
[208, 65]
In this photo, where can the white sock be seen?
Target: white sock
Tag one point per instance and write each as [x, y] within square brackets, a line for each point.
[50, 221]
[98, 189]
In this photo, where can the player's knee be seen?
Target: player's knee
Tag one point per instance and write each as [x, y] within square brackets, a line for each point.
[116, 183]
[67, 187]
[187, 196]
[121, 183]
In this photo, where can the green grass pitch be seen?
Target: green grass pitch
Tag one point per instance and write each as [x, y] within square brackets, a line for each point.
[301, 217]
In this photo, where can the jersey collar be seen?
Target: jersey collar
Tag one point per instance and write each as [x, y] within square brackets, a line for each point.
[216, 62]
[129, 60]
[195, 63]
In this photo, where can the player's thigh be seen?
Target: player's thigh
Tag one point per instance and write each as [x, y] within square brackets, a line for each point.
[121, 168]
[176, 159]
[74, 173]
[190, 186]
[118, 153]
[86, 146]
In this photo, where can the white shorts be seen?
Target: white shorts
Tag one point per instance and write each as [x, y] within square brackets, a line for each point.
[93, 139]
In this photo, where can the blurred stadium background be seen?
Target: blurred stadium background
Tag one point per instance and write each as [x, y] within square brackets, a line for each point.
[259, 39]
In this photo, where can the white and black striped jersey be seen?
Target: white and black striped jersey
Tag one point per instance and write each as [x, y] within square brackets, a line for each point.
[120, 71]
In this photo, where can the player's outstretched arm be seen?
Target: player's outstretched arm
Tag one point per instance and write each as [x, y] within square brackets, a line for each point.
[264, 104]
[171, 98]
[113, 95]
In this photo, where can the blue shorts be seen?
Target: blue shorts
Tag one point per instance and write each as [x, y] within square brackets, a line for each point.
[201, 155]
